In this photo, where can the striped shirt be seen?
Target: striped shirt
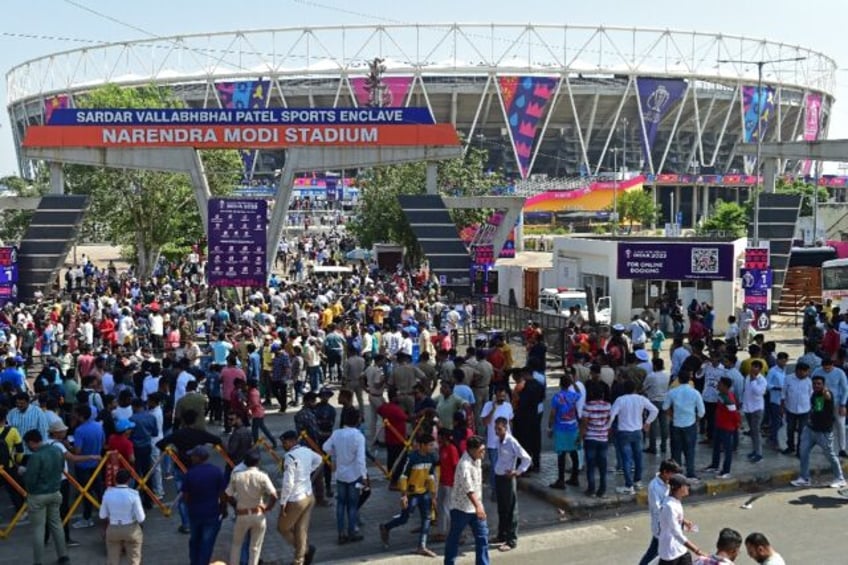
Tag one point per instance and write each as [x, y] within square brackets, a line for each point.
[596, 413]
[32, 419]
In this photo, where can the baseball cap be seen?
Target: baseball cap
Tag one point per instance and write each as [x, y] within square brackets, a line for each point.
[57, 426]
[123, 425]
[641, 355]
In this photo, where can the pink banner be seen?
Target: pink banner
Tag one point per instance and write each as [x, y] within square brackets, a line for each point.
[812, 123]
[60, 101]
[394, 95]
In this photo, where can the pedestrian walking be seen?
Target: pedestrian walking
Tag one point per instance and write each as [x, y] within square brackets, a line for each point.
[43, 481]
[347, 448]
[467, 504]
[727, 549]
[674, 546]
[819, 432]
[203, 493]
[296, 497]
[123, 513]
[252, 494]
[657, 491]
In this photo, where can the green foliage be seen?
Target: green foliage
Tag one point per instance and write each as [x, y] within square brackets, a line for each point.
[379, 216]
[637, 206]
[806, 190]
[728, 217]
[13, 223]
[143, 209]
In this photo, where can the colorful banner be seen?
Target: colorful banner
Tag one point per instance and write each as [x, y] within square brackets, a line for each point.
[597, 196]
[237, 242]
[58, 102]
[675, 261]
[751, 102]
[524, 102]
[8, 274]
[243, 95]
[241, 136]
[656, 97]
[395, 91]
[812, 124]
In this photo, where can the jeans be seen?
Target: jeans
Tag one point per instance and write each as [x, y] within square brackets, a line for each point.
[422, 502]
[631, 450]
[257, 424]
[315, 376]
[659, 429]
[775, 422]
[201, 542]
[596, 458]
[754, 420]
[347, 499]
[83, 476]
[652, 552]
[723, 440]
[44, 513]
[459, 521]
[507, 510]
[179, 478]
[795, 424]
[683, 442]
[810, 439]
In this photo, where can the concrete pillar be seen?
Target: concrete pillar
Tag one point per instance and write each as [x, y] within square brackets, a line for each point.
[57, 178]
[432, 182]
[694, 206]
[769, 174]
[706, 196]
[519, 233]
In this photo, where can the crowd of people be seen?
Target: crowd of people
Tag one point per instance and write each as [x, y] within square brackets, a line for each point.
[151, 367]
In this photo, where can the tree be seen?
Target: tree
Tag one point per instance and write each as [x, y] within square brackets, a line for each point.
[146, 210]
[637, 206]
[379, 216]
[728, 217]
[807, 192]
[14, 222]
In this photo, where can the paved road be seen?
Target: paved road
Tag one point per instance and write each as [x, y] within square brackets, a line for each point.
[805, 526]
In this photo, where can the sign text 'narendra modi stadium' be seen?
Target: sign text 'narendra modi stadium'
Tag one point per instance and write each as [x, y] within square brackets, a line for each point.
[240, 128]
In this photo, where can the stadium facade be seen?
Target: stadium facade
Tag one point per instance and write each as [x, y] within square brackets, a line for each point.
[547, 101]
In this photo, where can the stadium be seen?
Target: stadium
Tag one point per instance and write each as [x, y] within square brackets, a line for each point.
[554, 105]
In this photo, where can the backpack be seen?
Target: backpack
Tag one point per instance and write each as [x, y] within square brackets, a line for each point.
[5, 455]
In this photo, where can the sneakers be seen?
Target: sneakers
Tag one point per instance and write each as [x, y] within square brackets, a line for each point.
[838, 484]
[83, 523]
[800, 482]
[711, 470]
[723, 476]
[625, 490]
[638, 485]
[384, 535]
[426, 552]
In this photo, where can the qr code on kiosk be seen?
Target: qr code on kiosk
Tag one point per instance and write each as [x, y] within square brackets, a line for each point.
[705, 260]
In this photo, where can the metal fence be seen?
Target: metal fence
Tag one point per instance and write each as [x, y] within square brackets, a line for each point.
[493, 317]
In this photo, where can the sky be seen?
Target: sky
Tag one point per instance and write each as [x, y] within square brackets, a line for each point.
[57, 25]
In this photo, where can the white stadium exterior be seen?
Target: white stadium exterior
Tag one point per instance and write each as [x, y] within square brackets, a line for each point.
[593, 115]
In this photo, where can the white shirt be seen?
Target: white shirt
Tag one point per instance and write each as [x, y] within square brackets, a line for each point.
[149, 386]
[347, 448]
[61, 447]
[501, 411]
[182, 380]
[753, 397]
[655, 386]
[122, 506]
[300, 463]
[796, 394]
[108, 382]
[672, 541]
[629, 409]
[468, 477]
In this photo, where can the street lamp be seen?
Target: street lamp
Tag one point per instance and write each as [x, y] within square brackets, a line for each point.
[760, 65]
[615, 151]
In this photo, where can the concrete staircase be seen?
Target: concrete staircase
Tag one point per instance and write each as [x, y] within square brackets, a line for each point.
[48, 239]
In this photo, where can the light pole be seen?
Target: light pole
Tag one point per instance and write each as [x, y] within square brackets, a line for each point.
[760, 65]
[615, 151]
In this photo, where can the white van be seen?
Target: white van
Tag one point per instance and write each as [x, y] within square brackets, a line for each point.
[560, 300]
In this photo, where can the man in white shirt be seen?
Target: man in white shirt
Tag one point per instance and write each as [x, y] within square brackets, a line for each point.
[657, 491]
[182, 380]
[638, 330]
[655, 389]
[296, 498]
[347, 448]
[629, 409]
[466, 504]
[673, 544]
[753, 405]
[513, 461]
[492, 410]
[122, 510]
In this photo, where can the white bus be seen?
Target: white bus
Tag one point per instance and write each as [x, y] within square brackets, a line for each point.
[834, 274]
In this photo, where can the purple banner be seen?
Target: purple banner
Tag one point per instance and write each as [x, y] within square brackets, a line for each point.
[752, 101]
[656, 97]
[524, 102]
[237, 242]
[675, 261]
[245, 94]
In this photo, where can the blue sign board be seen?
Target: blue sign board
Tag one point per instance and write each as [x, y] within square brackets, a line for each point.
[237, 242]
[757, 279]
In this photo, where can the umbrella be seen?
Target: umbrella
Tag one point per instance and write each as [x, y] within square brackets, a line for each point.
[358, 254]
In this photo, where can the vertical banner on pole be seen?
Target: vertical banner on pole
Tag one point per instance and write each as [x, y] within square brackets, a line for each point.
[812, 113]
[241, 95]
[757, 279]
[237, 242]
[751, 100]
[524, 101]
[395, 91]
[656, 98]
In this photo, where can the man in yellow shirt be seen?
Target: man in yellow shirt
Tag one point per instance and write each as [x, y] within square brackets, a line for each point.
[10, 455]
